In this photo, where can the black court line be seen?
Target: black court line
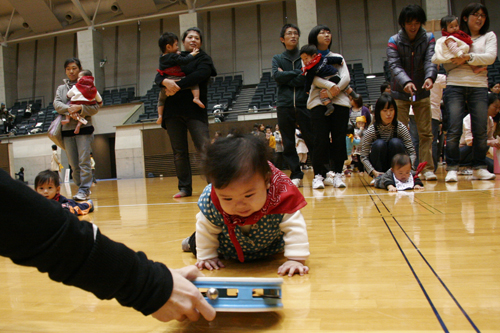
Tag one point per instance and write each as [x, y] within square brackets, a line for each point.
[436, 312]
[426, 262]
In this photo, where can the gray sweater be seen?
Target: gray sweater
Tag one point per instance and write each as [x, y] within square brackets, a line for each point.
[61, 105]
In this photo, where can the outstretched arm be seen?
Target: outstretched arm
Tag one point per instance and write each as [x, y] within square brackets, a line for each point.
[90, 260]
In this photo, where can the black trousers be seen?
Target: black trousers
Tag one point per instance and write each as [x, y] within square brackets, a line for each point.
[177, 129]
[288, 118]
[324, 126]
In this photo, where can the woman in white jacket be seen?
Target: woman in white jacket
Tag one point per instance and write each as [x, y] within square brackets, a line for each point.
[463, 87]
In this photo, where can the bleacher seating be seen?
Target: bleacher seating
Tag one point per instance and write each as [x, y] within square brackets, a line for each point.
[265, 94]
[221, 90]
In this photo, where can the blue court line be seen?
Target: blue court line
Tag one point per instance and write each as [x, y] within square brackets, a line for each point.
[427, 263]
[436, 312]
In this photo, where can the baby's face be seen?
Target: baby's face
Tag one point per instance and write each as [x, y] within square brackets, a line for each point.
[306, 58]
[173, 48]
[402, 173]
[452, 27]
[360, 124]
[48, 190]
[244, 196]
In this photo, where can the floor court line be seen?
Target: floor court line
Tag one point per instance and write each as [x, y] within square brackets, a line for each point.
[427, 263]
[433, 307]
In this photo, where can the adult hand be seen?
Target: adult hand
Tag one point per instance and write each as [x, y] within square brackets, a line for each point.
[459, 61]
[428, 84]
[171, 88]
[186, 300]
[280, 70]
[293, 266]
[410, 88]
[335, 90]
[210, 264]
[74, 108]
[323, 94]
[376, 173]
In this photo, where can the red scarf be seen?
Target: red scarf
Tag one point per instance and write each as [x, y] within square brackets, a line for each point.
[420, 167]
[282, 198]
[86, 86]
[171, 71]
[459, 35]
[311, 63]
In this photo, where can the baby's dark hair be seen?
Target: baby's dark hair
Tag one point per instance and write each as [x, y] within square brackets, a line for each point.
[167, 38]
[400, 160]
[309, 49]
[447, 20]
[54, 147]
[46, 177]
[384, 86]
[231, 158]
[86, 72]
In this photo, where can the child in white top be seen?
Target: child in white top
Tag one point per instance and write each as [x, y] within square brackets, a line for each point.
[250, 209]
[454, 44]
[83, 93]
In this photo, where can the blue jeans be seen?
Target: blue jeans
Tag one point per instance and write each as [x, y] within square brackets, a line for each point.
[78, 150]
[382, 153]
[177, 129]
[477, 103]
[437, 142]
[467, 154]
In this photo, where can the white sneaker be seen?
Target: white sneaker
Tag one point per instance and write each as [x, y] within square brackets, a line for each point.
[429, 175]
[329, 179]
[337, 181]
[482, 174]
[318, 182]
[297, 182]
[451, 176]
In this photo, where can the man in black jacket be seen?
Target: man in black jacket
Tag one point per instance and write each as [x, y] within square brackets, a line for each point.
[292, 100]
[74, 252]
[409, 54]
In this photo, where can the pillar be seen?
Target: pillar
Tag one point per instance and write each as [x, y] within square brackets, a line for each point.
[90, 53]
[306, 18]
[187, 21]
[8, 75]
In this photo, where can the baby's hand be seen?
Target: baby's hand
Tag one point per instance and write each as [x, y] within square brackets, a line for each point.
[209, 264]
[292, 267]
[195, 52]
[419, 188]
[391, 188]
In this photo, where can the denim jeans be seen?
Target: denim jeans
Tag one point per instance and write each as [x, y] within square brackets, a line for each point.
[78, 150]
[177, 129]
[423, 120]
[467, 155]
[382, 153]
[477, 103]
[414, 136]
[324, 151]
[437, 142]
[288, 118]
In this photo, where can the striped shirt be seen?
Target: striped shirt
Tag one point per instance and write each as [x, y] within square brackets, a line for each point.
[386, 133]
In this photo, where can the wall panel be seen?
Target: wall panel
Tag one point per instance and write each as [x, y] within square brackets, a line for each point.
[25, 70]
[221, 42]
[45, 65]
[64, 50]
[247, 44]
[272, 20]
[127, 55]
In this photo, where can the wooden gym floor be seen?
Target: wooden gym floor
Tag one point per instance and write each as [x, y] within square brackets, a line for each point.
[426, 261]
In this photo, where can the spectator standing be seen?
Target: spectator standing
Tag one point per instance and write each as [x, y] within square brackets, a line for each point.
[292, 100]
[181, 115]
[409, 54]
[279, 148]
[464, 87]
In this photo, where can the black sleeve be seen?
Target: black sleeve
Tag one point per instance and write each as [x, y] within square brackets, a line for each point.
[334, 60]
[183, 59]
[203, 69]
[38, 232]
